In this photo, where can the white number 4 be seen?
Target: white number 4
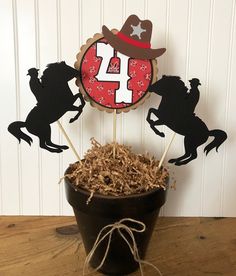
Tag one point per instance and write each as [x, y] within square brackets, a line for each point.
[123, 94]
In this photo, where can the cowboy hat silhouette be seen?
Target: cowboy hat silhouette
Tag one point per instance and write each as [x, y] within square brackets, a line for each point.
[134, 38]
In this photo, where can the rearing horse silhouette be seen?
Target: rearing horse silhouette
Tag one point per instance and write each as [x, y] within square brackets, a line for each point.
[54, 99]
[176, 110]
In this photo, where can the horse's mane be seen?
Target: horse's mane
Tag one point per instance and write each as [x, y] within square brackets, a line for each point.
[50, 72]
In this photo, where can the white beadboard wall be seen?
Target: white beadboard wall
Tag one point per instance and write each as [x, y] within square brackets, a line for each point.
[200, 39]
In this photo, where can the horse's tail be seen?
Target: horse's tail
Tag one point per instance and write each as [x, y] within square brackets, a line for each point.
[15, 129]
[220, 137]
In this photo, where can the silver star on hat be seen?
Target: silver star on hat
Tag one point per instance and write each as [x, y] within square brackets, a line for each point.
[137, 30]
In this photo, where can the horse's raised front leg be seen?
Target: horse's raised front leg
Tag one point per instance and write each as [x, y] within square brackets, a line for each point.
[153, 127]
[80, 96]
[77, 108]
[155, 123]
[150, 112]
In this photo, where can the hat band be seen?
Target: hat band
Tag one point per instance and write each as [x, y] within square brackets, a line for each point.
[133, 42]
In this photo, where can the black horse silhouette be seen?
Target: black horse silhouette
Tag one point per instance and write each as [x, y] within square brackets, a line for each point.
[54, 99]
[176, 110]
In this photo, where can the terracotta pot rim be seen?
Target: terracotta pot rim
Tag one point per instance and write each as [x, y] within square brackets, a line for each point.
[119, 197]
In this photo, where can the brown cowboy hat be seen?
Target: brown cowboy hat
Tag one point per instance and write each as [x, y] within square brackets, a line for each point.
[133, 40]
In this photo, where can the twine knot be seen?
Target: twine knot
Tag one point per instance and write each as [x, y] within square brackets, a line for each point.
[108, 230]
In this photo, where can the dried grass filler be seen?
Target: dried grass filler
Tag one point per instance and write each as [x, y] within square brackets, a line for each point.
[128, 173]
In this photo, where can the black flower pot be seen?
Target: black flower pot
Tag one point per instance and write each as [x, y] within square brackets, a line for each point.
[105, 210]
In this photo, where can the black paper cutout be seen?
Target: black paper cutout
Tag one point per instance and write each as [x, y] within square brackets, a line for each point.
[176, 110]
[54, 99]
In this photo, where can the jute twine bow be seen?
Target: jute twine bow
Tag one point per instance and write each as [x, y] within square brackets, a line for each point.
[120, 225]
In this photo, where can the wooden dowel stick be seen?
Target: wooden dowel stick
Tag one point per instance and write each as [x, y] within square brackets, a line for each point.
[69, 141]
[114, 133]
[166, 150]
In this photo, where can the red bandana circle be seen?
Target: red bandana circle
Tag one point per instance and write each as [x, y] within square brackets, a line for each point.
[103, 91]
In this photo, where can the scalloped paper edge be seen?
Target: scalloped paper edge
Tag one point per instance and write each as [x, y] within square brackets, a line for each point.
[77, 65]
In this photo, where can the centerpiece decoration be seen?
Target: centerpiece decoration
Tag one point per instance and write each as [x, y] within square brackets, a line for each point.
[115, 193]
